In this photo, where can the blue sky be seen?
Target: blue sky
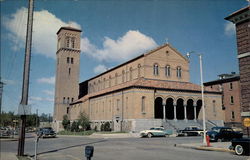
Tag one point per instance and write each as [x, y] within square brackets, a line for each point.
[113, 32]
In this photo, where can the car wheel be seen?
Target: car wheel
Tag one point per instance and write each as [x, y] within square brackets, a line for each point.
[201, 134]
[149, 135]
[239, 150]
[185, 134]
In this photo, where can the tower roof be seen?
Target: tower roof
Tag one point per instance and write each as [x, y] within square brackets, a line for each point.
[69, 28]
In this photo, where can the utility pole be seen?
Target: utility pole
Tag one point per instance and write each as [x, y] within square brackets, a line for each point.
[25, 89]
[1, 91]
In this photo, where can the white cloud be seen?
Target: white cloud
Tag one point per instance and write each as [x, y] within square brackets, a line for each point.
[229, 29]
[45, 27]
[99, 69]
[49, 80]
[48, 92]
[128, 46]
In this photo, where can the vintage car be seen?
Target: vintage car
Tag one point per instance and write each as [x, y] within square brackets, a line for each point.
[190, 131]
[223, 133]
[241, 146]
[46, 132]
[154, 132]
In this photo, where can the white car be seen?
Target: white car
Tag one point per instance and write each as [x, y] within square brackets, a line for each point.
[153, 132]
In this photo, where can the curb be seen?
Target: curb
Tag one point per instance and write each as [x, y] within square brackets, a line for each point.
[8, 139]
[205, 148]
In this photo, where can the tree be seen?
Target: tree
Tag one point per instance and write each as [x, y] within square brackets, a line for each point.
[66, 122]
[83, 121]
[74, 126]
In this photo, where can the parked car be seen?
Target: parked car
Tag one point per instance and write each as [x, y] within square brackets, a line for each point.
[190, 131]
[154, 132]
[46, 132]
[241, 146]
[223, 133]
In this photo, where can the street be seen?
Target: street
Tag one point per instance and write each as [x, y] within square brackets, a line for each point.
[72, 148]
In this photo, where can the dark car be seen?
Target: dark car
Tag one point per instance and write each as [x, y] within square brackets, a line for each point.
[223, 133]
[46, 132]
[190, 131]
[241, 146]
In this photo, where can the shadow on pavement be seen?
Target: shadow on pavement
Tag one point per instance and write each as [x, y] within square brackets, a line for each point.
[55, 150]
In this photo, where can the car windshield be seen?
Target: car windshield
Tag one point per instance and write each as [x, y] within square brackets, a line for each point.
[216, 129]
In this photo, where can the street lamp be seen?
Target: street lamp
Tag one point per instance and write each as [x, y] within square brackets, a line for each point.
[202, 95]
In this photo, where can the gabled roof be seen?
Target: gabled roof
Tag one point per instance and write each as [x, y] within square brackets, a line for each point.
[164, 45]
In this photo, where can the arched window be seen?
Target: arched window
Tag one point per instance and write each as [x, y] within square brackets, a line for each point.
[67, 59]
[69, 71]
[156, 70]
[64, 100]
[109, 81]
[67, 41]
[72, 60]
[143, 98]
[232, 100]
[130, 73]
[72, 42]
[68, 100]
[116, 77]
[139, 70]
[123, 76]
[167, 71]
[178, 72]
[99, 85]
[104, 81]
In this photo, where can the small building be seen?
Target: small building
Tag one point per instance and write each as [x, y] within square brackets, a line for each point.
[229, 85]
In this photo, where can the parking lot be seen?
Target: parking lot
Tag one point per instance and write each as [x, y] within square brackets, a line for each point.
[70, 147]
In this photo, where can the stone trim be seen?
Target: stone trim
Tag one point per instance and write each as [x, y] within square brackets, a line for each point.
[243, 55]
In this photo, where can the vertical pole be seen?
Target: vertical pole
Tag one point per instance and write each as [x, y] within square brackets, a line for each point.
[25, 89]
[185, 112]
[175, 117]
[203, 102]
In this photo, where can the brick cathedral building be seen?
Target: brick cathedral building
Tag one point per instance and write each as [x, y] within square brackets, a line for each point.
[150, 90]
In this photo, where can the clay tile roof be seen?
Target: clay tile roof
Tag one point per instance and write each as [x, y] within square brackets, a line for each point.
[150, 83]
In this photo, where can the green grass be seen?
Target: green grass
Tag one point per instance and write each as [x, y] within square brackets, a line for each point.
[83, 133]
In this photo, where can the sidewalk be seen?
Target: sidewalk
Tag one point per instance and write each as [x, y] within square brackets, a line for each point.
[218, 146]
[114, 135]
[8, 156]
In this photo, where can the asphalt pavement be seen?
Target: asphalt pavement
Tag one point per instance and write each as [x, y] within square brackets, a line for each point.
[120, 146]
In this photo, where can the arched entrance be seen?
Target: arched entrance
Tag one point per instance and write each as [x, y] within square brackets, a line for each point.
[190, 109]
[198, 107]
[170, 108]
[158, 108]
[180, 109]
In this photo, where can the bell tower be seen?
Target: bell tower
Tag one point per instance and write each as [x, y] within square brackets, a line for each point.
[67, 72]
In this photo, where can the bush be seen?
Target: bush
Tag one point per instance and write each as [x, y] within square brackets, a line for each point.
[66, 122]
[106, 126]
[74, 127]
[83, 121]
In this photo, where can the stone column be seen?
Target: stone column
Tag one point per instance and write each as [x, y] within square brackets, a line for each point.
[185, 112]
[164, 109]
[195, 118]
[175, 111]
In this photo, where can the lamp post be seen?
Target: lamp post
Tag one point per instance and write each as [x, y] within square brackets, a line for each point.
[202, 95]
